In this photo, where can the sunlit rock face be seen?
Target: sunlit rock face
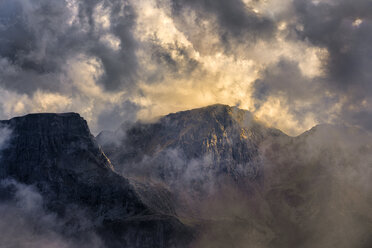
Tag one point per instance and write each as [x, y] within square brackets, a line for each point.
[57, 154]
[217, 140]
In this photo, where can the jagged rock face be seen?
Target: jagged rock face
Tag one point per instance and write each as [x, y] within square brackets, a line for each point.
[57, 153]
[43, 143]
[224, 139]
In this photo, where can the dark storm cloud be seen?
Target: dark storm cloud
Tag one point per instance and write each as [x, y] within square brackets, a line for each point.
[114, 116]
[330, 25]
[344, 29]
[236, 22]
[37, 40]
[285, 79]
[334, 26]
[29, 52]
[120, 66]
[173, 61]
[285, 76]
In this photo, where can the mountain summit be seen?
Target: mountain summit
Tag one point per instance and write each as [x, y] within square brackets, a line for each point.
[225, 139]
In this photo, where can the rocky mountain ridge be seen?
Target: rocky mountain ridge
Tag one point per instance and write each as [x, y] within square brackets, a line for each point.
[225, 139]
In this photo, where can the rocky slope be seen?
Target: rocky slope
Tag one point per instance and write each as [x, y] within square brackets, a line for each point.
[217, 141]
[57, 154]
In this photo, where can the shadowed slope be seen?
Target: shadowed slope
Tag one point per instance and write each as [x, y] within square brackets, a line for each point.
[57, 154]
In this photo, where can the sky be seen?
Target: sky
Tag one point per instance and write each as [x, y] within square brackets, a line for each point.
[293, 63]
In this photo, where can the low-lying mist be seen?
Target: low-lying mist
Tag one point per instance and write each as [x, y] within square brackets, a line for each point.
[313, 190]
[25, 222]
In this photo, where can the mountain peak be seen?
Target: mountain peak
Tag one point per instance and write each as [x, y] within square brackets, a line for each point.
[216, 109]
[210, 108]
[45, 116]
[226, 138]
[49, 139]
[217, 116]
[49, 122]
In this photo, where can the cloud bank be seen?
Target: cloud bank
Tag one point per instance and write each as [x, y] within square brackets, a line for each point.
[26, 223]
[292, 63]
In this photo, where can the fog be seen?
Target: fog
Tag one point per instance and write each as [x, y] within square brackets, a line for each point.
[313, 190]
[25, 223]
[5, 134]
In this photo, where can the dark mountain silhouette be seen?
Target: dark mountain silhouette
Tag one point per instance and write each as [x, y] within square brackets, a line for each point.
[57, 154]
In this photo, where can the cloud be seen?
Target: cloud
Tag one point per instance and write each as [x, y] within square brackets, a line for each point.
[94, 57]
[25, 222]
[232, 21]
[116, 115]
[5, 135]
[343, 28]
[325, 177]
[283, 87]
[41, 36]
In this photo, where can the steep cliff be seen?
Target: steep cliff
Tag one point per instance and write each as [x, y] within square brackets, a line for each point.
[57, 154]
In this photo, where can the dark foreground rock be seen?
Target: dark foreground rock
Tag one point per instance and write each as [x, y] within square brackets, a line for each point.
[57, 154]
